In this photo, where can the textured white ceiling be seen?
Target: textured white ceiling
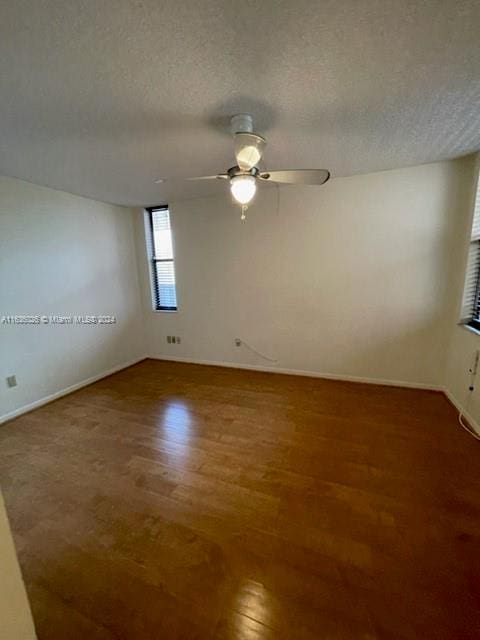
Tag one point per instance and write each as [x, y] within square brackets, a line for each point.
[100, 97]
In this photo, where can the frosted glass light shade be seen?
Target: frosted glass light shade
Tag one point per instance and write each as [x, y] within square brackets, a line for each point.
[243, 188]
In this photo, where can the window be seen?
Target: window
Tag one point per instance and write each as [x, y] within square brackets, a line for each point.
[471, 293]
[163, 268]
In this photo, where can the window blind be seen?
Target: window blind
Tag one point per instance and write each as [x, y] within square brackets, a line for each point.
[163, 267]
[471, 293]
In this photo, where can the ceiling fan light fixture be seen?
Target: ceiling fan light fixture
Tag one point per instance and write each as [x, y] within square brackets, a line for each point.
[243, 189]
[249, 148]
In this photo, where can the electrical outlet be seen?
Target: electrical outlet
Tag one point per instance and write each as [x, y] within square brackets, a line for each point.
[11, 381]
[169, 339]
[178, 339]
[174, 340]
[238, 342]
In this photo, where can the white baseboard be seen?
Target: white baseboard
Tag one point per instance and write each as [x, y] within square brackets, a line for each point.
[458, 405]
[301, 372]
[63, 392]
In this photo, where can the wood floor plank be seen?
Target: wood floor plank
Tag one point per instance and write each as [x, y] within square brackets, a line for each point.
[184, 501]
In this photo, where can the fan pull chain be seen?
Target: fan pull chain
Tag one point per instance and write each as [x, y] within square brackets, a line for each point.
[244, 208]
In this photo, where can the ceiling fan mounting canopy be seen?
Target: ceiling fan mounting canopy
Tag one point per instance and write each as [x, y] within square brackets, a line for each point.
[244, 176]
[241, 123]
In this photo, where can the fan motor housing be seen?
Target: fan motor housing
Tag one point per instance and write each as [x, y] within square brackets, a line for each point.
[236, 171]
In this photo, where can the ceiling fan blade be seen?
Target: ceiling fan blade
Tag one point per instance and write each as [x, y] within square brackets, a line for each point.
[297, 176]
[220, 176]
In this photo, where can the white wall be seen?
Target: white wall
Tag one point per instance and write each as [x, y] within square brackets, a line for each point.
[361, 278]
[462, 343]
[351, 279]
[62, 254]
[15, 617]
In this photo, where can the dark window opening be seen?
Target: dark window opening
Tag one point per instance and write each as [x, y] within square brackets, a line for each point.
[163, 265]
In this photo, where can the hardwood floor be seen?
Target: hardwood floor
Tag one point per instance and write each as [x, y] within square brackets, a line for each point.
[176, 501]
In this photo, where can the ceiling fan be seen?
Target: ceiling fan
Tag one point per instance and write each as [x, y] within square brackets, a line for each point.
[245, 175]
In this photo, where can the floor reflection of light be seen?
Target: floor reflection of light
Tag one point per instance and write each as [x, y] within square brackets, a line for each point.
[174, 431]
[254, 606]
[177, 416]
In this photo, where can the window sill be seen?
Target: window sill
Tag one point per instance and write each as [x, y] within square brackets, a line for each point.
[165, 310]
[469, 328]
